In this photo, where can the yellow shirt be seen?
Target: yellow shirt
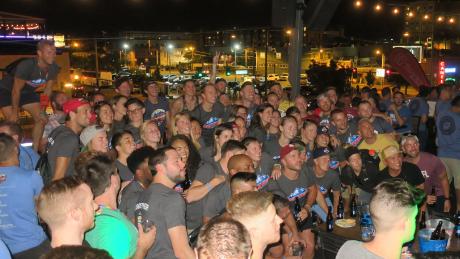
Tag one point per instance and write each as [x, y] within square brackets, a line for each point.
[383, 141]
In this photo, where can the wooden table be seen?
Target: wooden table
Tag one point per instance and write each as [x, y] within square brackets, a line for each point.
[330, 242]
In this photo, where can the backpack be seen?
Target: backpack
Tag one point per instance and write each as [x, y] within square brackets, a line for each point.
[43, 165]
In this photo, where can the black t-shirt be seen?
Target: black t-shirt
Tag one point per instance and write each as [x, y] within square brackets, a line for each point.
[29, 71]
[366, 180]
[409, 173]
[208, 120]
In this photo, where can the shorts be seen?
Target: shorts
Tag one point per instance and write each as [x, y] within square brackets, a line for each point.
[27, 97]
[452, 168]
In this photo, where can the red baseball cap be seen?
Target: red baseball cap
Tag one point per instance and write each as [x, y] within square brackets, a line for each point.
[286, 150]
[72, 105]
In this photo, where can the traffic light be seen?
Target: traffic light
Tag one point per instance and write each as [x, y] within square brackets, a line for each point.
[228, 71]
[199, 73]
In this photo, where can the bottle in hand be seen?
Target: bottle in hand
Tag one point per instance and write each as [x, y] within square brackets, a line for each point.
[329, 221]
[436, 235]
[297, 210]
[422, 223]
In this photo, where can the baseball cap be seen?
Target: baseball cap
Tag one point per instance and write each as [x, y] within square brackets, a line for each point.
[286, 150]
[89, 133]
[72, 105]
[390, 151]
[351, 151]
[323, 130]
[319, 152]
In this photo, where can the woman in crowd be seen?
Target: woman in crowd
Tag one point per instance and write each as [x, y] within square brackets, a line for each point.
[189, 156]
[222, 134]
[195, 133]
[240, 123]
[181, 124]
[308, 134]
[261, 122]
[119, 113]
[94, 139]
[104, 114]
[275, 122]
[288, 132]
[123, 143]
[150, 134]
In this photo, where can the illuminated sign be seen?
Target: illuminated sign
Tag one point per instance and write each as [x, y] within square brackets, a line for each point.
[59, 41]
[442, 72]
[417, 51]
[380, 72]
[450, 70]
[241, 72]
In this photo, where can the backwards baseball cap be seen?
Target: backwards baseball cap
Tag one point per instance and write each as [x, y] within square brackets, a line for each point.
[351, 150]
[286, 150]
[72, 105]
[89, 133]
[319, 152]
[390, 151]
[323, 130]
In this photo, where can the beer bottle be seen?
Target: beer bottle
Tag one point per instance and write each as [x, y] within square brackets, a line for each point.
[353, 209]
[457, 224]
[329, 220]
[297, 210]
[340, 209]
[314, 218]
[443, 235]
[436, 235]
[422, 223]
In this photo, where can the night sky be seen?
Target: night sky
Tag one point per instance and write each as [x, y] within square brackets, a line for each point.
[90, 17]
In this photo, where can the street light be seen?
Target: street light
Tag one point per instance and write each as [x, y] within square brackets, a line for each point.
[452, 20]
[396, 10]
[406, 34]
[236, 47]
[233, 36]
[288, 32]
[378, 52]
[76, 45]
[440, 19]
[170, 46]
[125, 46]
[358, 4]
[378, 7]
[426, 17]
[410, 14]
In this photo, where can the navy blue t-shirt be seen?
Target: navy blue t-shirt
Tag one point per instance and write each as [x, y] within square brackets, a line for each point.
[157, 112]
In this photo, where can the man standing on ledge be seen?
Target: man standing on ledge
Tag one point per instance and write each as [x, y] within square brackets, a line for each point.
[18, 87]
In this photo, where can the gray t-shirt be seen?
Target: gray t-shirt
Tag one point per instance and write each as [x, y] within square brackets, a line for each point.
[129, 197]
[205, 173]
[355, 249]
[29, 71]
[214, 203]
[208, 120]
[330, 180]
[63, 143]
[381, 125]
[272, 147]
[157, 112]
[124, 172]
[136, 132]
[165, 208]
[207, 154]
[291, 189]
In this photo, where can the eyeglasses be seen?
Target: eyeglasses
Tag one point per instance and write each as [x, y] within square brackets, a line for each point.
[135, 110]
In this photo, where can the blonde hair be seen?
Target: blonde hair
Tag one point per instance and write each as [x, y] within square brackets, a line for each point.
[249, 204]
[144, 126]
[176, 118]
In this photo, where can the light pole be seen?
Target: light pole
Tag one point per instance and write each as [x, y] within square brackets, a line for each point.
[236, 47]
[125, 48]
[378, 53]
[170, 48]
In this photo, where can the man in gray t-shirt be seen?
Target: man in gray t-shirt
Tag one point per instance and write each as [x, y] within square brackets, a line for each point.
[63, 142]
[162, 206]
[355, 249]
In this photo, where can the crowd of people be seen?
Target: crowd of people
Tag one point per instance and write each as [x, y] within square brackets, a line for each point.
[205, 176]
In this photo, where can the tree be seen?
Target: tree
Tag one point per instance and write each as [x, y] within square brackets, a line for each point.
[322, 76]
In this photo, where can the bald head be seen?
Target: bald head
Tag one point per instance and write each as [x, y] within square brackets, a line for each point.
[240, 163]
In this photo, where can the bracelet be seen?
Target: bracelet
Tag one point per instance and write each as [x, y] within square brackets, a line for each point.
[208, 186]
[447, 199]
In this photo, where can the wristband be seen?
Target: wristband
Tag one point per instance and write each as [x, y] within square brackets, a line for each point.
[447, 199]
[208, 186]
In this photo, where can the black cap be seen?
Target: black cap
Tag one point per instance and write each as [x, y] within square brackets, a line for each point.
[351, 151]
[323, 130]
[319, 152]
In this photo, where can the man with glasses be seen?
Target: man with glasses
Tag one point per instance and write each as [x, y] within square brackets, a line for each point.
[135, 109]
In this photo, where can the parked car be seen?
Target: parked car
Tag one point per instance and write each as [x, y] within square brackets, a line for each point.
[273, 77]
[284, 77]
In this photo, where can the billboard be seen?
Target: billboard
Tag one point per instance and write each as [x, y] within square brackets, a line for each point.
[417, 51]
